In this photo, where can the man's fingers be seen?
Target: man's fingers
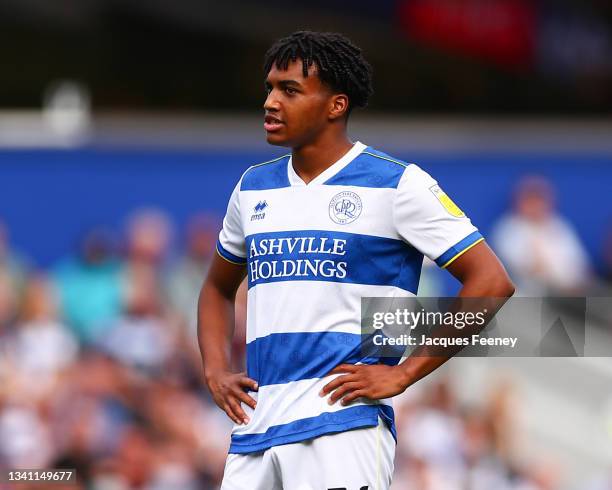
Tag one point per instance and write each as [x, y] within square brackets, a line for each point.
[248, 382]
[244, 398]
[336, 383]
[340, 392]
[352, 396]
[343, 368]
[230, 413]
[237, 409]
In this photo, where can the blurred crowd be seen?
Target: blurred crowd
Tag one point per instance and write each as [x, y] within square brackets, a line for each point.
[444, 444]
[100, 369]
[99, 365]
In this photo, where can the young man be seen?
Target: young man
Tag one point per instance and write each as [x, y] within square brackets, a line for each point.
[314, 232]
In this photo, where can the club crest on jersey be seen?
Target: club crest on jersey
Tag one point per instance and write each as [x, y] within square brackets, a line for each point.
[345, 207]
[446, 201]
[259, 211]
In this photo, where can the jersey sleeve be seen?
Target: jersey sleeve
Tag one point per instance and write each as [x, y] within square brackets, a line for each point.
[230, 244]
[426, 218]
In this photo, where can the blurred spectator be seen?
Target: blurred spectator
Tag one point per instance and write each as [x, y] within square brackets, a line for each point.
[142, 337]
[149, 233]
[90, 286]
[148, 237]
[435, 429]
[25, 437]
[40, 347]
[538, 246]
[501, 410]
[484, 468]
[43, 346]
[432, 441]
[188, 273]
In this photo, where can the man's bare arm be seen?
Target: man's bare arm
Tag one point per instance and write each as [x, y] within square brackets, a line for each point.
[215, 330]
[482, 276]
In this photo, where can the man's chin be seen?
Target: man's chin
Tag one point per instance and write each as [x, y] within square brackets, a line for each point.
[277, 140]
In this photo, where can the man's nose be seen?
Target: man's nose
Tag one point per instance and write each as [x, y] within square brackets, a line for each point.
[271, 103]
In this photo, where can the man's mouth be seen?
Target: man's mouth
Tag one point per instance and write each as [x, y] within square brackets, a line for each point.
[272, 124]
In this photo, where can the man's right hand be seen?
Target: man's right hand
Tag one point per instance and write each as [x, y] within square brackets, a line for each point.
[228, 390]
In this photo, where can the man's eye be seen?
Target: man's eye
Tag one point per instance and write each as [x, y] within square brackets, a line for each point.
[290, 91]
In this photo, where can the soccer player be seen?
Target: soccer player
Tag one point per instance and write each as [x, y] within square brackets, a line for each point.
[314, 231]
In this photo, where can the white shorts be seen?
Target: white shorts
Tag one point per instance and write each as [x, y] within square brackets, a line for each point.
[359, 459]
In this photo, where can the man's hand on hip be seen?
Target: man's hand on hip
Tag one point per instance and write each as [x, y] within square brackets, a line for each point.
[228, 390]
[373, 381]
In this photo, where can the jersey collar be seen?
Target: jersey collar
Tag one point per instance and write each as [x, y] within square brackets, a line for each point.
[329, 172]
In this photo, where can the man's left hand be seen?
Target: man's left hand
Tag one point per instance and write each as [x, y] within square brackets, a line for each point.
[373, 381]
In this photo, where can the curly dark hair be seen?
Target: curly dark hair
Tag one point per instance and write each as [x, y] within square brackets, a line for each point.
[340, 64]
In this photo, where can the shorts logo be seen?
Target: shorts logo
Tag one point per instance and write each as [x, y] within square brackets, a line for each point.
[446, 201]
[345, 207]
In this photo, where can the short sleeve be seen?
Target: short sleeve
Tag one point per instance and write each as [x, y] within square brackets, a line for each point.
[231, 245]
[427, 218]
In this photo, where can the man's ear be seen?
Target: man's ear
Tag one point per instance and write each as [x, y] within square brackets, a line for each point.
[338, 106]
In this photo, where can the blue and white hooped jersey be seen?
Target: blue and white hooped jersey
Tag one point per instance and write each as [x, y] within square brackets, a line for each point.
[312, 251]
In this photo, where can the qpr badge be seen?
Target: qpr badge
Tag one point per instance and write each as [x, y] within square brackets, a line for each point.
[345, 207]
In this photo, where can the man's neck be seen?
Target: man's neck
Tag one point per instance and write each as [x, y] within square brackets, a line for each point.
[311, 160]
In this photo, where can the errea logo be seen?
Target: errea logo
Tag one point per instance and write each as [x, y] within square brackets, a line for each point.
[259, 211]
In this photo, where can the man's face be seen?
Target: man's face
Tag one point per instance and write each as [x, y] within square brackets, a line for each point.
[297, 107]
